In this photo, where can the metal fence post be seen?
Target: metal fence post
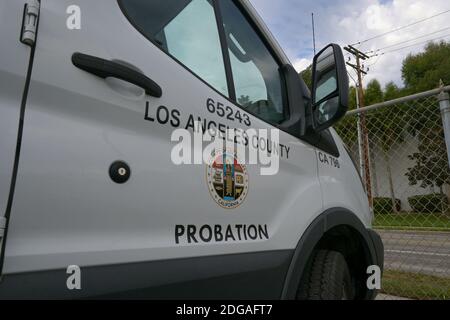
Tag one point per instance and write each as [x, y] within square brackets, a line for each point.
[360, 143]
[444, 104]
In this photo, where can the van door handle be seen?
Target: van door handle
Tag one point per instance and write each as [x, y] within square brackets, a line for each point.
[105, 68]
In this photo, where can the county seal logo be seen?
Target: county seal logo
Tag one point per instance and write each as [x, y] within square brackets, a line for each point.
[227, 180]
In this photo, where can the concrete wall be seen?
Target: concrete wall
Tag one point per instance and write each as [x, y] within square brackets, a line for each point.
[399, 163]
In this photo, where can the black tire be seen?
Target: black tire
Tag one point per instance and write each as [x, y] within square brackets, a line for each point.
[326, 278]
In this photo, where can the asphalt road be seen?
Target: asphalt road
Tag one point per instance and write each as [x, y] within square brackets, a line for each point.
[417, 252]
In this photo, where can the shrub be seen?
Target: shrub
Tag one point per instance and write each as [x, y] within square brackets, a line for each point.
[384, 205]
[431, 203]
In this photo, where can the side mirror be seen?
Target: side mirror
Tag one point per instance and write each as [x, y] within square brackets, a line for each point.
[330, 87]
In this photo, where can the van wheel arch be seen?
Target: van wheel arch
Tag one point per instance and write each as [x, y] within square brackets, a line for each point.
[340, 230]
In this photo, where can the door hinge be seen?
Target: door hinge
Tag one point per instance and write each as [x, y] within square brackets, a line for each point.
[2, 230]
[2, 239]
[30, 22]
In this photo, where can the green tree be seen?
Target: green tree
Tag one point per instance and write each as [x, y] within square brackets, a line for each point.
[244, 100]
[347, 127]
[373, 93]
[352, 105]
[307, 76]
[422, 71]
[431, 162]
[431, 165]
[391, 91]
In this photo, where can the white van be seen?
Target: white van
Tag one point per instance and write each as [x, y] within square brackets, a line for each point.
[90, 93]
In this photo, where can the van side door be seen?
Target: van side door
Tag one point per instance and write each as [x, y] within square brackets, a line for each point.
[97, 186]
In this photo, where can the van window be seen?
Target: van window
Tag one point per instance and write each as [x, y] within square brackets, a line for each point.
[256, 73]
[187, 30]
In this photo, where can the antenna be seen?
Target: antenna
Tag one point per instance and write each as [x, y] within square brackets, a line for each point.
[314, 32]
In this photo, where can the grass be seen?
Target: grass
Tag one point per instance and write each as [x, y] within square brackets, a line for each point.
[415, 285]
[413, 221]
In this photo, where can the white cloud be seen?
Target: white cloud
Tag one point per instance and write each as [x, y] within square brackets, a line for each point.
[301, 64]
[348, 21]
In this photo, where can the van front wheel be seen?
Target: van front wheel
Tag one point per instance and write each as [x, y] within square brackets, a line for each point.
[327, 278]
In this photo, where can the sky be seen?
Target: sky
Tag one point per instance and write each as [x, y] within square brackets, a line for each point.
[350, 21]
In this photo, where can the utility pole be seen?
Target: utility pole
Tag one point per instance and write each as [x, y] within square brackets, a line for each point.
[362, 117]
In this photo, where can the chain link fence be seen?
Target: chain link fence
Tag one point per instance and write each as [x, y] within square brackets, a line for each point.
[401, 150]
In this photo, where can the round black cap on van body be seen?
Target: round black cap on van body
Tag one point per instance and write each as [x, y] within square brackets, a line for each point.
[120, 172]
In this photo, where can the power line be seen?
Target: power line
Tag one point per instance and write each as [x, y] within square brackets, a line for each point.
[398, 49]
[413, 45]
[376, 61]
[400, 28]
[410, 46]
[399, 43]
